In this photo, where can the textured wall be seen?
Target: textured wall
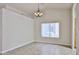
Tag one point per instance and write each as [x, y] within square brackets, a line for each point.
[0, 30]
[62, 16]
[77, 28]
[17, 30]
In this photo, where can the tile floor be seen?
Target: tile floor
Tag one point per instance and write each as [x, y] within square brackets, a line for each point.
[42, 49]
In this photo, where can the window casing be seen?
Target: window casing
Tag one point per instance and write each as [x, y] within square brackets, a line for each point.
[50, 30]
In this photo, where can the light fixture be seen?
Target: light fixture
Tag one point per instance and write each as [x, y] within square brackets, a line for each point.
[38, 13]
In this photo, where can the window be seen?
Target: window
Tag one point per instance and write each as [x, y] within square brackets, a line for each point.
[50, 30]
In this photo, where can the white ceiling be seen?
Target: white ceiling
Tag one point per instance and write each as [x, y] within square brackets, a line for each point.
[29, 8]
[32, 6]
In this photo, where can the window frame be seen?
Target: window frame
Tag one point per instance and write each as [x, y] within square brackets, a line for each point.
[51, 22]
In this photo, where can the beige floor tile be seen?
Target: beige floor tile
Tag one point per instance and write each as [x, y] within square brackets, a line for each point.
[42, 49]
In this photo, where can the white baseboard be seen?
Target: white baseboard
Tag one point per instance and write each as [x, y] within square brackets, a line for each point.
[16, 47]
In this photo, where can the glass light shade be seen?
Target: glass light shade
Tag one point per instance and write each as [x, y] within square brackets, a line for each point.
[38, 14]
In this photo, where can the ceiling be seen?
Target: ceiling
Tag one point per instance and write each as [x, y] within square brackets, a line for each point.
[42, 5]
[29, 8]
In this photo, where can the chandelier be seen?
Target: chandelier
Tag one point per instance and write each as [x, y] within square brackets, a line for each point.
[38, 13]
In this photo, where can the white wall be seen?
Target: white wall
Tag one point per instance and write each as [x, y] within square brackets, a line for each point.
[77, 28]
[0, 30]
[62, 16]
[17, 30]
